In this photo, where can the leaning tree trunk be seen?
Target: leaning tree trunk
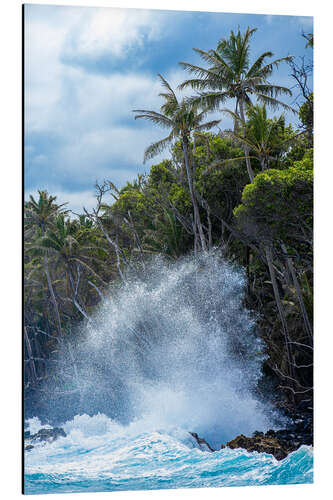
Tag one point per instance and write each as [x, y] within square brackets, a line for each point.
[197, 221]
[53, 299]
[31, 360]
[306, 320]
[74, 293]
[278, 301]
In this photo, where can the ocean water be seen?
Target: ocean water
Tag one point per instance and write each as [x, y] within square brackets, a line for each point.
[99, 454]
[172, 352]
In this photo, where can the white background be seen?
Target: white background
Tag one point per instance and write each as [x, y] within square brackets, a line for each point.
[10, 245]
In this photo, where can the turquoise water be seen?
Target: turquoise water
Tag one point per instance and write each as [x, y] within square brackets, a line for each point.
[99, 454]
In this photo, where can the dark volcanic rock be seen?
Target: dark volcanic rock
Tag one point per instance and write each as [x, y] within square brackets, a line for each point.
[260, 444]
[283, 441]
[278, 443]
[29, 447]
[48, 435]
[203, 445]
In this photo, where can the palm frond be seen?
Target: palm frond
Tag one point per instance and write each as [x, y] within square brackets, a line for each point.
[240, 139]
[258, 63]
[209, 100]
[154, 117]
[274, 103]
[207, 125]
[223, 163]
[166, 85]
[157, 147]
[234, 115]
[208, 56]
[198, 71]
[84, 264]
[273, 90]
[267, 70]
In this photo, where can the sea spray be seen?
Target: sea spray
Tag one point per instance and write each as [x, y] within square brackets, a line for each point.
[177, 348]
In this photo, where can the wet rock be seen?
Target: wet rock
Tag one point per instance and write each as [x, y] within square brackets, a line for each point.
[260, 444]
[258, 434]
[203, 445]
[48, 435]
[277, 443]
[29, 447]
[281, 442]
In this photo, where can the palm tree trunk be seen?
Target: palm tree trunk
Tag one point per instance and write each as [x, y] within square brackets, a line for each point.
[246, 149]
[197, 221]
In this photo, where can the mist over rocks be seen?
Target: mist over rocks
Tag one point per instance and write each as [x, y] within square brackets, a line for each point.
[48, 435]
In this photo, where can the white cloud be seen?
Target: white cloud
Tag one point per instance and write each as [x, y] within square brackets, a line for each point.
[89, 115]
[77, 201]
[113, 31]
[122, 144]
[79, 100]
[48, 80]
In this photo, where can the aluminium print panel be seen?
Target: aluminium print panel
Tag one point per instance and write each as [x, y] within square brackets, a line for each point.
[168, 281]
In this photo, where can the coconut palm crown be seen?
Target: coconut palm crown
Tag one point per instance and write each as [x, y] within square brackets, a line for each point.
[179, 116]
[230, 75]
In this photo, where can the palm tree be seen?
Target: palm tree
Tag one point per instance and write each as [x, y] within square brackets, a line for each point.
[39, 217]
[230, 75]
[264, 138]
[72, 243]
[182, 119]
[42, 212]
[166, 235]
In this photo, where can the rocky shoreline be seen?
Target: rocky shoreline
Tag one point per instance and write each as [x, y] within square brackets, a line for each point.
[277, 443]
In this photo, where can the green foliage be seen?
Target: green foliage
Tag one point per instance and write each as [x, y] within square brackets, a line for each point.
[167, 236]
[306, 112]
[161, 173]
[278, 205]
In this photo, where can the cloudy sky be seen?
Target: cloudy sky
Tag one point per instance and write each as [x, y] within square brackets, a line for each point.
[86, 68]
